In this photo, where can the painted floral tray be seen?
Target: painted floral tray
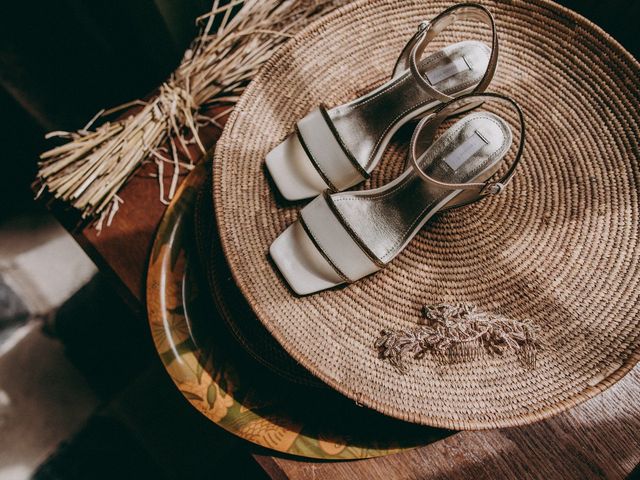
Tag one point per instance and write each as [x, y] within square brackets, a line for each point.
[228, 386]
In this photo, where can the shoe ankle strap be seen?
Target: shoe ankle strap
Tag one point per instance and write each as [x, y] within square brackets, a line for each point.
[428, 30]
[427, 127]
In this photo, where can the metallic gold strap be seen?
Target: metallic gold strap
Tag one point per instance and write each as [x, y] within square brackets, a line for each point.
[426, 128]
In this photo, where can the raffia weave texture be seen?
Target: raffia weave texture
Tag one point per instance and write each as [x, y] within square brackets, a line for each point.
[559, 247]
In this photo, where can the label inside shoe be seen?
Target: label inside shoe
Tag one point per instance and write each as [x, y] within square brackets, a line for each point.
[465, 150]
[449, 69]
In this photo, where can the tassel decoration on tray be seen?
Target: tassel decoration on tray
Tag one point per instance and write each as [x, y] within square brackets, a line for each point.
[235, 39]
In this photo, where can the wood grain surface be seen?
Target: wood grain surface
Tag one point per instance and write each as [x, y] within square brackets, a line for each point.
[598, 439]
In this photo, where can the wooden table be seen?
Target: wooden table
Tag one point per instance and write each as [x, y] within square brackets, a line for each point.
[598, 439]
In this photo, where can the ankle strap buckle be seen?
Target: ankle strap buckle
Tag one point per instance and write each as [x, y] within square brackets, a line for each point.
[423, 26]
[492, 188]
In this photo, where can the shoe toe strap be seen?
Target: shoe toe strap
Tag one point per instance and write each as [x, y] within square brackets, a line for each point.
[336, 242]
[327, 152]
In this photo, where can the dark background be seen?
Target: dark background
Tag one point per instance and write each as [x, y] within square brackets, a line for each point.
[63, 60]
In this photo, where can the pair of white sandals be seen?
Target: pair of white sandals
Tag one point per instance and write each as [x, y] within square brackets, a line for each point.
[342, 236]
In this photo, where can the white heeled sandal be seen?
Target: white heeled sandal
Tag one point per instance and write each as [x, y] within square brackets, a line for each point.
[342, 237]
[338, 148]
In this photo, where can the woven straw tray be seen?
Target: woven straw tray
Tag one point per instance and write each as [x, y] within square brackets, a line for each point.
[558, 248]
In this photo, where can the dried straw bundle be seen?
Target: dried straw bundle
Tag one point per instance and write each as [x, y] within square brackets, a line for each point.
[89, 170]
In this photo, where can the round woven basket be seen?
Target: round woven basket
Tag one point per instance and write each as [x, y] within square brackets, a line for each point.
[559, 248]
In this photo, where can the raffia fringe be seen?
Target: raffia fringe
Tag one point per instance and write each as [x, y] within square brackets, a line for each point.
[92, 166]
[455, 333]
